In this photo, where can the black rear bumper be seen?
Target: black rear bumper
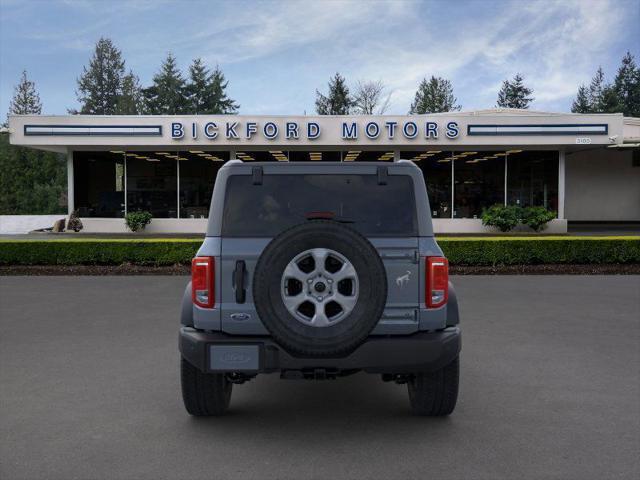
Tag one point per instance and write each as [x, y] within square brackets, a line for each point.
[420, 352]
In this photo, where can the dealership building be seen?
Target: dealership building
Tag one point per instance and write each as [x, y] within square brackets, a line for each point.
[586, 168]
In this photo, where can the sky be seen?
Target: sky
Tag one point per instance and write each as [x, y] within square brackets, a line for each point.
[275, 54]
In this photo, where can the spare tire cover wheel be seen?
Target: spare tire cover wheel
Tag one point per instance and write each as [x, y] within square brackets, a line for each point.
[320, 288]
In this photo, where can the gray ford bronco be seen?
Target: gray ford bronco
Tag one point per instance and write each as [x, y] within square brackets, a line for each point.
[319, 270]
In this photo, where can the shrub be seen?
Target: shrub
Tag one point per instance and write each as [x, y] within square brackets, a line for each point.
[459, 251]
[98, 252]
[137, 220]
[537, 217]
[503, 217]
[75, 223]
[541, 250]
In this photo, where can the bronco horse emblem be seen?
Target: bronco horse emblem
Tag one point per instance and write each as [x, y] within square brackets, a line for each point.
[403, 279]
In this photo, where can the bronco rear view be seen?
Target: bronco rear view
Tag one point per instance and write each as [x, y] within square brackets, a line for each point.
[319, 270]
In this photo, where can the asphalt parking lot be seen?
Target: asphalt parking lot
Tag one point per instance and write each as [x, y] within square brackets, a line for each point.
[89, 388]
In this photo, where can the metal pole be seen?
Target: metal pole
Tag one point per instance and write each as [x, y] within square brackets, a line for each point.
[506, 165]
[178, 187]
[125, 185]
[70, 183]
[561, 182]
[453, 183]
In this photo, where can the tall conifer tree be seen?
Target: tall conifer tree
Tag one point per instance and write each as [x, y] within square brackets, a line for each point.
[167, 94]
[433, 96]
[338, 101]
[100, 85]
[514, 93]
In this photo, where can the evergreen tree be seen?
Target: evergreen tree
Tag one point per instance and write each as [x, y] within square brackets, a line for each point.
[338, 101]
[196, 89]
[130, 101]
[627, 86]
[514, 94]
[581, 104]
[100, 85]
[433, 96]
[206, 92]
[167, 95]
[25, 99]
[596, 91]
[31, 181]
[219, 102]
[610, 101]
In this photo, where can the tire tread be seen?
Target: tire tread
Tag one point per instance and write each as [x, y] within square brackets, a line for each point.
[435, 394]
[204, 394]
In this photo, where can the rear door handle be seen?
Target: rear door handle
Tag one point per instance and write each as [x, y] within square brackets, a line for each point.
[238, 281]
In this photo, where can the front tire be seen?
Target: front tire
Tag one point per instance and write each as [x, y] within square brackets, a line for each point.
[204, 394]
[435, 394]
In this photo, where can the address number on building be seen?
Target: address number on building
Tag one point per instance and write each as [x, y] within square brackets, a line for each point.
[583, 141]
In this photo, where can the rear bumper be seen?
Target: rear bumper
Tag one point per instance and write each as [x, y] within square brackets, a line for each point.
[219, 352]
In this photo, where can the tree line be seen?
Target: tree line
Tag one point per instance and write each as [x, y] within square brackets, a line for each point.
[33, 181]
[106, 88]
[621, 95]
[435, 95]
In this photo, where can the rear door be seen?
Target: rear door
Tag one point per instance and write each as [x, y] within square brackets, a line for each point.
[401, 261]
[255, 212]
[238, 262]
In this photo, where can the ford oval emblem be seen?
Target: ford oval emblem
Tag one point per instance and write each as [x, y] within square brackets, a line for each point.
[240, 316]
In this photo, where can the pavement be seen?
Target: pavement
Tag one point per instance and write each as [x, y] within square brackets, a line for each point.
[550, 383]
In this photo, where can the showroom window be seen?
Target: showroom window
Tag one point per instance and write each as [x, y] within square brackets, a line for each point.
[436, 166]
[532, 178]
[197, 172]
[478, 182]
[152, 184]
[99, 184]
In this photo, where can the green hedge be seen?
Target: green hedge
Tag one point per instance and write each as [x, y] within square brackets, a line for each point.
[98, 252]
[531, 251]
[459, 251]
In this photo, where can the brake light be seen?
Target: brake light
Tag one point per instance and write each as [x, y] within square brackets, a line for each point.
[437, 284]
[202, 281]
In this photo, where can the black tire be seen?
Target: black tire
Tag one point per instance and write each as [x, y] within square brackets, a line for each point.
[333, 340]
[435, 394]
[204, 394]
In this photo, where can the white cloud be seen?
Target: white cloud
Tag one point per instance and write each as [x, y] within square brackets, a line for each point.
[556, 45]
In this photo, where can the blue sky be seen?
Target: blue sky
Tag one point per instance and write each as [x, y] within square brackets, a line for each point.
[276, 53]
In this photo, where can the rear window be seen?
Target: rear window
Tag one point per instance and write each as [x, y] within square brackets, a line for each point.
[282, 201]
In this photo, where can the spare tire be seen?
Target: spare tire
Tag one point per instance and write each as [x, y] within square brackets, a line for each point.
[320, 288]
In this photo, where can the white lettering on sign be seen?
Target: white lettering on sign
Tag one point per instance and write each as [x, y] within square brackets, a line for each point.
[583, 141]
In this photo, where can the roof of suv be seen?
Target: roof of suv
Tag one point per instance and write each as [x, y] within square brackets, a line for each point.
[312, 164]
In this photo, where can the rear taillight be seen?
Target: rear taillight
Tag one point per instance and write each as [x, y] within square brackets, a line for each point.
[437, 290]
[202, 281]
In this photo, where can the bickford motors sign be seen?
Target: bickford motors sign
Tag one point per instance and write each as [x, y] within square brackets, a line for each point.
[310, 130]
